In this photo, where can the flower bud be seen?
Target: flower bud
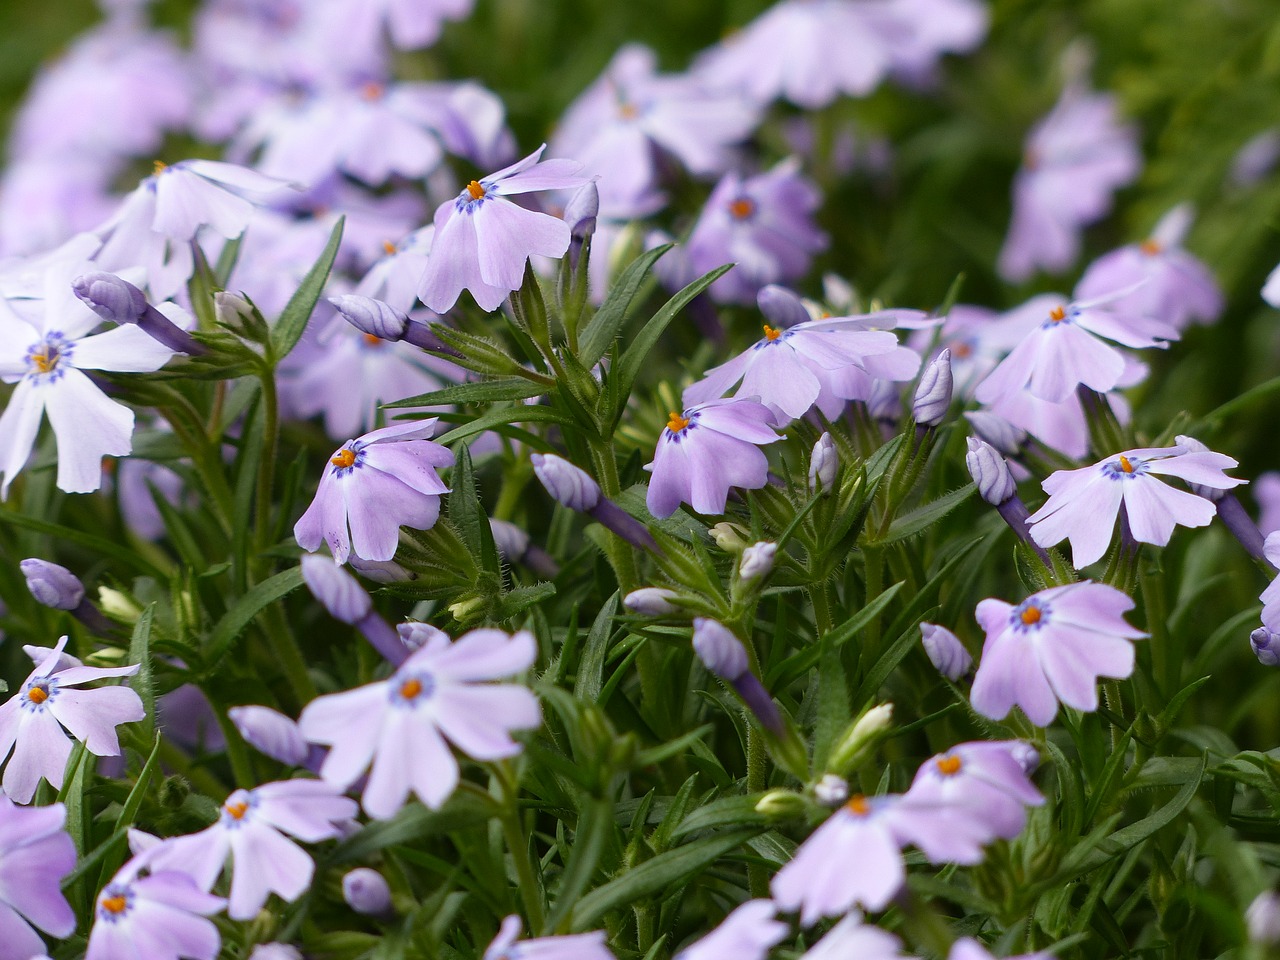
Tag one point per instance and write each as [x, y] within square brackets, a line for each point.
[651, 601]
[111, 298]
[933, 393]
[781, 804]
[1026, 756]
[366, 892]
[568, 485]
[1266, 646]
[52, 585]
[831, 791]
[781, 307]
[729, 537]
[271, 732]
[1192, 445]
[275, 951]
[511, 541]
[864, 732]
[989, 472]
[757, 560]
[945, 651]
[416, 635]
[340, 593]
[232, 310]
[719, 650]
[118, 606]
[582, 209]
[1263, 919]
[823, 463]
[371, 317]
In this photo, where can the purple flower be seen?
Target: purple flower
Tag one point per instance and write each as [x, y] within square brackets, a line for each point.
[1052, 647]
[483, 239]
[1168, 284]
[824, 461]
[568, 485]
[366, 892]
[1266, 492]
[52, 585]
[250, 829]
[578, 946]
[161, 916]
[853, 938]
[1083, 504]
[1271, 595]
[270, 732]
[32, 720]
[747, 933]
[372, 486]
[400, 725]
[706, 450]
[35, 854]
[1266, 646]
[1074, 159]
[966, 948]
[945, 651]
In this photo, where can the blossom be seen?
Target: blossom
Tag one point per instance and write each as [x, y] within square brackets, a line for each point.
[745, 934]
[270, 732]
[578, 946]
[35, 854]
[400, 725]
[1271, 596]
[966, 948]
[1073, 161]
[853, 938]
[483, 239]
[1083, 503]
[32, 720]
[250, 828]
[1052, 647]
[372, 486]
[707, 449]
[981, 782]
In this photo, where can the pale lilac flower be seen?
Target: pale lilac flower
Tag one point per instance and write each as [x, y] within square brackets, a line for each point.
[35, 854]
[1052, 647]
[748, 933]
[1073, 161]
[705, 451]
[966, 948]
[853, 938]
[578, 946]
[945, 651]
[483, 239]
[276, 951]
[1266, 493]
[32, 721]
[1256, 158]
[270, 732]
[410, 24]
[1266, 646]
[1168, 284]
[372, 486]
[1083, 504]
[651, 601]
[400, 725]
[917, 33]
[824, 461]
[366, 892]
[250, 829]
[393, 279]
[1262, 918]
[1271, 596]
[161, 916]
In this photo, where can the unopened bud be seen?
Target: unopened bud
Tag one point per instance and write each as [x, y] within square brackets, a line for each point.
[757, 561]
[110, 297]
[1266, 646]
[276, 951]
[945, 651]
[1026, 756]
[831, 790]
[416, 635]
[568, 485]
[366, 892]
[232, 310]
[823, 463]
[511, 541]
[729, 537]
[861, 736]
[933, 394]
[52, 585]
[989, 472]
[339, 592]
[118, 606]
[271, 732]
[651, 601]
[781, 805]
[719, 650]
[371, 317]
[1262, 919]
[582, 209]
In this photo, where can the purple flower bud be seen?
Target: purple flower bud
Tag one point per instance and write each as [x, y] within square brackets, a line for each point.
[757, 561]
[582, 209]
[1026, 756]
[989, 472]
[823, 463]
[231, 309]
[1266, 646]
[651, 601]
[340, 593]
[371, 317]
[997, 431]
[719, 650]
[511, 541]
[945, 651]
[52, 585]
[1262, 918]
[111, 298]
[568, 485]
[831, 790]
[415, 635]
[933, 394]
[271, 732]
[366, 892]
[781, 307]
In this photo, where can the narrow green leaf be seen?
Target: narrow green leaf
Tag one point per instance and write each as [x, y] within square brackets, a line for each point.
[142, 682]
[799, 663]
[486, 391]
[921, 518]
[96, 544]
[113, 857]
[467, 514]
[599, 333]
[590, 679]
[293, 319]
[496, 418]
[463, 810]
[595, 825]
[244, 610]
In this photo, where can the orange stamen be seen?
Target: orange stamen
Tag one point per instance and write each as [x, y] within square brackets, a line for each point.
[37, 695]
[961, 351]
[1057, 314]
[115, 904]
[858, 806]
[410, 689]
[742, 208]
[1030, 616]
[388, 247]
[1151, 247]
[237, 810]
[949, 766]
[344, 458]
[158, 166]
[770, 333]
[476, 191]
[372, 91]
[628, 111]
[1125, 464]
[676, 423]
[44, 363]
[371, 341]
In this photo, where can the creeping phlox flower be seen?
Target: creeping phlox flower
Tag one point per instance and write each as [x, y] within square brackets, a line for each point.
[1271, 596]
[577, 946]
[483, 239]
[400, 725]
[250, 828]
[966, 948]
[372, 486]
[1074, 159]
[32, 720]
[980, 782]
[1052, 647]
[1083, 504]
[853, 938]
[801, 362]
[707, 449]
[35, 854]
[160, 916]
[747, 933]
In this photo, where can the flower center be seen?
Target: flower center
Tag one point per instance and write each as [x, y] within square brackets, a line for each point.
[1151, 247]
[1030, 616]
[742, 208]
[38, 694]
[236, 810]
[372, 340]
[158, 167]
[949, 766]
[410, 689]
[858, 806]
[961, 350]
[1125, 464]
[115, 904]
[771, 334]
[1057, 314]
[389, 247]
[372, 91]
[476, 191]
[345, 457]
[628, 111]
[676, 423]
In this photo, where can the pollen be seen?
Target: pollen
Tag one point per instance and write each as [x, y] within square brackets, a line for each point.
[37, 695]
[1057, 314]
[770, 333]
[344, 458]
[45, 360]
[158, 167]
[628, 111]
[116, 904]
[477, 192]
[1151, 247]
[388, 247]
[410, 689]
[237, 810]
[961, 350]
[1126, 464]
[858, 806]
[675, 422]
[370, 340]
[742, 208]
[949, 766]
[1030, 616]
[372, 91]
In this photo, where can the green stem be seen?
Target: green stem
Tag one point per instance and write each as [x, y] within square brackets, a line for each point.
[757, 780]
[288, 654]
[1115, 703]
[518, 843]
[266, 469]
[620, 553]
[873, 576]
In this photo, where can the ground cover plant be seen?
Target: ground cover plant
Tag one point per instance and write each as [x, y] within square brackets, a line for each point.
[486, 479]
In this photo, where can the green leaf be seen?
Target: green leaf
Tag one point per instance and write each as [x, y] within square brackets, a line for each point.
[496, 418]
[464, 810]
[797, 664]
[922, 518]
[142, 682]
[96, 544]
[245, 609]
[725, 812]
[595, 826]
[467, 515]
[590, 679]
[293, 319]
[113, 857]
[486, 391]
[663, 873]
[599, 333]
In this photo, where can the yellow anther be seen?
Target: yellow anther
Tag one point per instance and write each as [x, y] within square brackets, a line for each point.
[344, 458]
[388, 247]
[410, 689]
[949, 766]
[115, 904]
[372, 91]
[628, 111]
[1057, 314]
[476, 191]
[372, 341]
[237, 810]
[676, 423]
[1151, 247]
[1125, 464]
[742, 208]
[37, 695]
[858, 806]
[1031, 616]
[44, 361]
[158, 166]
[770, 333]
